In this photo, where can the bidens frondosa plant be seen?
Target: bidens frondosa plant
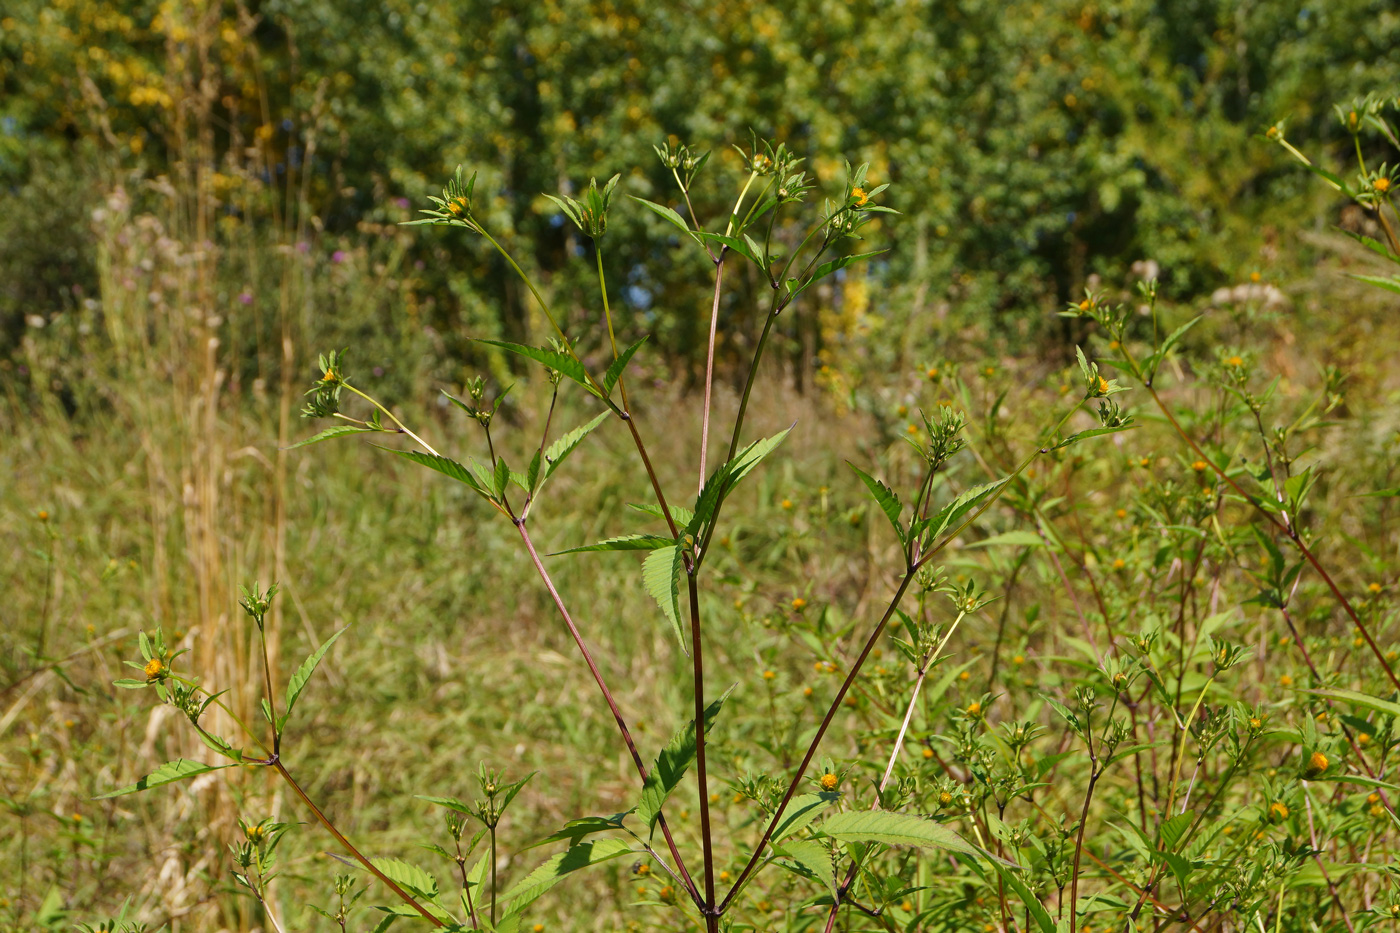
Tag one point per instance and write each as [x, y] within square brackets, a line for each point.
[1100, 767]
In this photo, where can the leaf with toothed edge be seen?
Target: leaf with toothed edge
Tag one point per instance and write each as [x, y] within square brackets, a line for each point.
[562, 362]
[885, 498]
[622, 543]
[567, 444]
[614, 373]
[661, 576]
[339, 430]
[670, 766]
[168, 773]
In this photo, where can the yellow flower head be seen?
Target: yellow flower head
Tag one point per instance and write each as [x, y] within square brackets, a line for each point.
[769, 675]
[932, 372]
[787, 504]
[1381, 184]
[1200, 466]
[1277, 812]
[1085, 305]
[1121, 513]
[974, 708]
[799, 603]
[1019, 660]
[829, 781]
[928, 753]
[155, 668]
[1272, 132]
[859, 197]
[1285, 681]
[1317, 763]
[1235, 361]
[538, 928]
[42, 515]
[945, 798]
[1256, 723]
[1374, 587]
[807, 691]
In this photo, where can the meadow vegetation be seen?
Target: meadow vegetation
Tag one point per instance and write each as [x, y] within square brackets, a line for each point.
[1038, 573]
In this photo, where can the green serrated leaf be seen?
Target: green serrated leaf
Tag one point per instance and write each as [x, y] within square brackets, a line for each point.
[1360, 699]
[737, 245]
[451, 803]
[661, 577]
[619, 365]
[841, 262]
[449, 468]
[1172, 829]
[813, 858]
[297, 683]
[893, 829]
[681, 515]
[1011, 538]
[339, 430]
[623, 543]
[560, 449]
[670, 766]
[168, 773]
[665, 213]
[562, 362]
[727, 476]
[951, 515]
[574, 830]
[885, 498]
[411, 878]
[801, 811]
[575, 858]
[1092, 432]
[1043, 921]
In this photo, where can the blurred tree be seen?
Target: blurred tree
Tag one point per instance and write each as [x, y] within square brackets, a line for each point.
[1030, 144]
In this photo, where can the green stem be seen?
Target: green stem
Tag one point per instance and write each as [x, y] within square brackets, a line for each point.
[425, 445]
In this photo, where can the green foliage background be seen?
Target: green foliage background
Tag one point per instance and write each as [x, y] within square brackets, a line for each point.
[1030, 144]
[1031, 147]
